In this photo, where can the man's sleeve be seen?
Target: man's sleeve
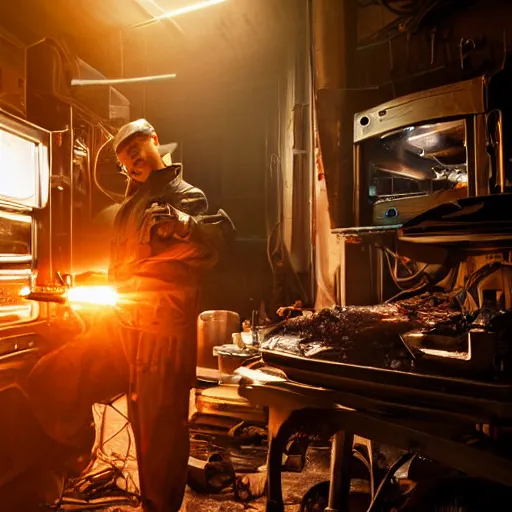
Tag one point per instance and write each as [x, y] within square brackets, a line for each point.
[205, 237]
[190, 200]
[200, 248]
[212, 232]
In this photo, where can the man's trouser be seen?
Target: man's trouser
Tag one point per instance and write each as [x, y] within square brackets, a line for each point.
[154, 363]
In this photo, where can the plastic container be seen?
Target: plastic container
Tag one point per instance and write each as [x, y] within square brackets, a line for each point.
[231, 357]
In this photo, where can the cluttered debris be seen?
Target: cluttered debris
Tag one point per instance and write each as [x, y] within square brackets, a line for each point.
[365, 335]
[445, 333]
[227, 463]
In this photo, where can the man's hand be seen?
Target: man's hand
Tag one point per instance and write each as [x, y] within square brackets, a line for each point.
[168, 228]
[164, 221]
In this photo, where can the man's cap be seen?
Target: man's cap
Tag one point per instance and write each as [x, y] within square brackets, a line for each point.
[140, 126]
[126, 131]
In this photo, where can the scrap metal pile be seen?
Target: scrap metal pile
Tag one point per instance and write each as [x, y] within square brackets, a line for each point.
[376, 335]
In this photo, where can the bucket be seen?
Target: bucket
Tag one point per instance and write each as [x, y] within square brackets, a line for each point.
[214, 328]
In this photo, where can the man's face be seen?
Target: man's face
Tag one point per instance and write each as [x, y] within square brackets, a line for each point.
[140, 156]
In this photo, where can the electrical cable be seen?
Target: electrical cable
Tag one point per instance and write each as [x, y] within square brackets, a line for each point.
[275, 160]
[416, 20]
[410, 292]
[94, 171]
[113, 197]
[402, 460]
[368, 464]
[112, 461]
[409, 9]
[401, 282]
[408, 19]
[388, 32]
[275, 235]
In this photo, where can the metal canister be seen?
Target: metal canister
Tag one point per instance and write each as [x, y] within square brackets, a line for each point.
[214, 328]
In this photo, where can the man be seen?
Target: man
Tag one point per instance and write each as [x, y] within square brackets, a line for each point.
[163, 243]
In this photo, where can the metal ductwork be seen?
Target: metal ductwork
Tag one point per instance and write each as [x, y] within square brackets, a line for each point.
[104, 100]
[12, 78]
[51, 70]
[334, 35]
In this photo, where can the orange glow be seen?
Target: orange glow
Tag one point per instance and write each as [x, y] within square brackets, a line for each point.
[178, 12]
[189, 8]
[95, 295]
[25, 291]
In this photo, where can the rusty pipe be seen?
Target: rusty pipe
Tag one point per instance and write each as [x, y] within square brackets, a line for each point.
[334, 38]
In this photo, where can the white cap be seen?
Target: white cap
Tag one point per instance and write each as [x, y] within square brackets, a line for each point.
[140, 126]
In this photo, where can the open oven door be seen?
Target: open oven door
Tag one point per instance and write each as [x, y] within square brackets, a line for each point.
[24, 234]
[25, 256]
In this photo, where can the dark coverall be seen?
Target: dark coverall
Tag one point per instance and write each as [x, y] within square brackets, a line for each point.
[162, 276]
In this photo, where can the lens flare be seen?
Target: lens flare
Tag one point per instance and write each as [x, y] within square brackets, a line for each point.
[94, 295]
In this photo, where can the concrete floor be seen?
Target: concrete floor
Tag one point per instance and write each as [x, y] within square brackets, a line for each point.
[294, 484]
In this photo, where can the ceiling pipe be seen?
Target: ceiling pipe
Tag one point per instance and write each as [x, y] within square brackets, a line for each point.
[121, 81]
[334, 37]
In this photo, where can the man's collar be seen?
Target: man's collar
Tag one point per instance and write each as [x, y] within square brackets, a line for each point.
[165, 175]
[156, 180]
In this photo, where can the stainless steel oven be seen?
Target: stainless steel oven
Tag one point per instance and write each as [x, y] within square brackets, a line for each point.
[422, 150]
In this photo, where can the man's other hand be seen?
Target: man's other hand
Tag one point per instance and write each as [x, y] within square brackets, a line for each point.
[168, 228]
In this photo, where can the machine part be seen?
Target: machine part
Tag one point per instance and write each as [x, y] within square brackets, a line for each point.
[248, 434]
[248, 459]
[97, 491]
[211, 476]
[380, 494]
[477, 359]
[250, 486]
[295, 451]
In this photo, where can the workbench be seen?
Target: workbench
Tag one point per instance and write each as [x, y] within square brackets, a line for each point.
[436, 420]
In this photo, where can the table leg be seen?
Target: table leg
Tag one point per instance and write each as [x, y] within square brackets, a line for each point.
[341, 460]
[280, 430]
